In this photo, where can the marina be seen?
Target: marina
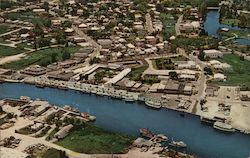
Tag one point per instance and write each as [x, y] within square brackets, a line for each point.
[136, 116]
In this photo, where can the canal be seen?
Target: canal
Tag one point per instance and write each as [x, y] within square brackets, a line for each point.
[119, 116]
[212, 25]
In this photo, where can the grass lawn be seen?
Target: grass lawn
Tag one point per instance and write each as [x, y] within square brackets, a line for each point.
[168, 21]
[230, 22]
[240, 73]
[8, 51]
[4, 28]
[40, 57]
[54, 153]
[240, 33]
[136, 73]
[26, 45]
[94, 140]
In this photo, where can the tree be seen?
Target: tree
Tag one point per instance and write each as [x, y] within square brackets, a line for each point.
[208, 70]
[201, 56]
[173, 75]
[45, 6]
[54, 57]
[65, 54]
[38, 30]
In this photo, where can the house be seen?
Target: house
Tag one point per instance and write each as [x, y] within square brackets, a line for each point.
[219, 77]
[34, 70]
[105, 43]
[213, 53]
[62, 133]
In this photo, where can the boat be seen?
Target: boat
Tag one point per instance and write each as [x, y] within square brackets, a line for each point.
[223, 126]
[38, 85]
[179, 144]
[146, 133]
[207, 120]
[129, 99]
[153, 104]
[88, 117]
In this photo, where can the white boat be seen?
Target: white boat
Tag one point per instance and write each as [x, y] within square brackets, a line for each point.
[129, 99]
[153, 104]
[179, 144]
[223, 127]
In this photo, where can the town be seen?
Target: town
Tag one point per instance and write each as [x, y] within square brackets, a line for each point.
[163, 54]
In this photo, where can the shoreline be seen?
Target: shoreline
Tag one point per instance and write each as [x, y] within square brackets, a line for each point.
[182, 113]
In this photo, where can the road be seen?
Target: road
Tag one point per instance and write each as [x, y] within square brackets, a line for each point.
[177, 25]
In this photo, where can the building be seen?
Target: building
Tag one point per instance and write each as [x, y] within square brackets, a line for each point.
[34, 70]
[213, 53]
[62, 133]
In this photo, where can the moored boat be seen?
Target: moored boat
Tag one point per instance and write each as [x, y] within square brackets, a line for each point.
[146, 133]
[152, 104]
[223, 126]
[179, 144]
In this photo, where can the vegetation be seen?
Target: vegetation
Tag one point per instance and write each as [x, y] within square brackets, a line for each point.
[40, 57]
[28, 130]
[94, 140]
[136, 73]
[44, 131]
[101, 73]
[8, 51]
[54, 153]
[239, 75]
[4, 28]
[164, 64]
[239, 33]
[168, 21]
[150, 80]
[51, 134]
[199, 43]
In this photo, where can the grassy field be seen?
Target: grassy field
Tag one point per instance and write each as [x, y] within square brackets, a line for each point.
[4, 28]
[240, 73]
[53, 153]
[94, 140]
[240, 33]
[26, 45]
[168, 21]
[136, 73]
[40, 57]
[230, 22]
[8, 51]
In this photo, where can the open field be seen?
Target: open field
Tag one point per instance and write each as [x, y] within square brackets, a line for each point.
[168, 21]
[136, 73]
[240, 73]
[94, 140]
[40, 57]
[241, 33]
[8, 51]
[230, 22]
[4, 28]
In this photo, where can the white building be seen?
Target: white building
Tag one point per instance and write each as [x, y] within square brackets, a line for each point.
[213, 53]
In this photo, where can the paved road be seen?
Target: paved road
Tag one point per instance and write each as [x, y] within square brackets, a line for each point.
[177, 26]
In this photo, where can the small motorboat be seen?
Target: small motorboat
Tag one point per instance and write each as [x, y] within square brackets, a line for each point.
[179, 144]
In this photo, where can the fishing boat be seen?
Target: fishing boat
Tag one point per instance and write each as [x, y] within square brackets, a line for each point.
[87, 117]
[223, 127]
[179, 144]
[146, 133]
[38, 85]
[129, 99]
[153, 104]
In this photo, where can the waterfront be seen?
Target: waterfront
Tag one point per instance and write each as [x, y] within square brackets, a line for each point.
[120, 116]
[212, 25]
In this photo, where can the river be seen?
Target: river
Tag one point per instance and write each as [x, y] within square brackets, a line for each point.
[123, 117]
[212, 25]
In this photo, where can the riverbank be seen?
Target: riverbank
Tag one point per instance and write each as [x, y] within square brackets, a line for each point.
[127, 117]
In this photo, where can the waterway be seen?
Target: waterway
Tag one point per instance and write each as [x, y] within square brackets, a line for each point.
[123, 117]
[212, 25]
